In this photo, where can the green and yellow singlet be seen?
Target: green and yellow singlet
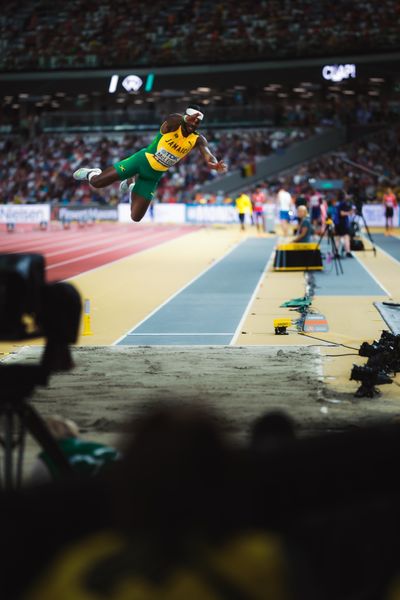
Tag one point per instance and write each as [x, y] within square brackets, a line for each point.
[167, 149]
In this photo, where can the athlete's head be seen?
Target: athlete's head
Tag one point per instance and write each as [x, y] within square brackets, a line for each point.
[193, 117]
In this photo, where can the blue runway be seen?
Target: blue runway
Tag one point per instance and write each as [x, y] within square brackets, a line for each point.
[389, 244]
[355, 280]
[209, 310]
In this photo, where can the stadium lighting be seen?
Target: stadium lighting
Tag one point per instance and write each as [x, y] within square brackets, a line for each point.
[149, 82]
[338, 72]
[113, 84]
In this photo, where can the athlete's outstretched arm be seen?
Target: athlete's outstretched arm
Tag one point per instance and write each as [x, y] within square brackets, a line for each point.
[171, 123]
[209, 157]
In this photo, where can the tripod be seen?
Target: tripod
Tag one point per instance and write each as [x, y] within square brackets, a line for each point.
[359, 214]
[328, 231]
[19, 417]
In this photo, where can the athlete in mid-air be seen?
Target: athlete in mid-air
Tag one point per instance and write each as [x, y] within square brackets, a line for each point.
[177, 137]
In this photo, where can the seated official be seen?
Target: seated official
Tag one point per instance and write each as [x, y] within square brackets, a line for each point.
[304, 230]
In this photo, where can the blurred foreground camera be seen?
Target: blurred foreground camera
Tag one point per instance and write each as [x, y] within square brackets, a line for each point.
[30, 307]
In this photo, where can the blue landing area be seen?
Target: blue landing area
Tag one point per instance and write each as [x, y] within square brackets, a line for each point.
[354, 281]
[388, 243]
[209, 310]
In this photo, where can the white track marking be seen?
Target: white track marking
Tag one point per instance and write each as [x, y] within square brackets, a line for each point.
[68, 239]
[153, 312]
[373, 277]
[105, 250]
[96, 241]
[250, 302]
[181, 334]
[112, 262]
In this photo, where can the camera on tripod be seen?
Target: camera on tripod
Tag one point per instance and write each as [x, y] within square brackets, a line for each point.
[29, 308]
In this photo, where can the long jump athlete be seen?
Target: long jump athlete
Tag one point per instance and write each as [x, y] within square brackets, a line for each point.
[177, 137]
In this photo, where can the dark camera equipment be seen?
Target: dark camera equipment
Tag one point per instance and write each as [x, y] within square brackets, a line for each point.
[358, 202]
[386, 361]
[383, 354]
[369, 377]
[387, 341]
[328, 232]
[370, 349]
[390, 338]
[29, 308]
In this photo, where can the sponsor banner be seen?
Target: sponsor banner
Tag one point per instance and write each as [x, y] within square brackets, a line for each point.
[169, 213]
[24, 213]
[374, 215]
[158, 213]
[86, 213]
[204, 213]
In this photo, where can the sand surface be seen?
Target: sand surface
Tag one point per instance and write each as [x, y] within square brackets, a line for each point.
[111, 384]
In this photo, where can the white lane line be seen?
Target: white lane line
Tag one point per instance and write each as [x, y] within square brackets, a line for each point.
[40, 245]
[250, 302]
[96, 241]
[373, 277]
[130, 243]
[153, 312]
[392, 258]
[181, 334]
[66, 240]
[61, 238]
[112, 262]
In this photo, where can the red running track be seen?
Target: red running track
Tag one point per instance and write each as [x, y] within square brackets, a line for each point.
[69, 252]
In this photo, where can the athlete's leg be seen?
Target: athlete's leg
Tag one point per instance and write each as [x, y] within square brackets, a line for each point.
[141, 193]
[139, 206]
[105, 178]
[96, 177]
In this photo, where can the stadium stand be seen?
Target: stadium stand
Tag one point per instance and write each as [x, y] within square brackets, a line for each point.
[54, 35]
[40, 170]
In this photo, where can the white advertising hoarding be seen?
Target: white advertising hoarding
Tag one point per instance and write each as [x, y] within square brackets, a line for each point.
[162, 213]
[374, 215]
[24, 213]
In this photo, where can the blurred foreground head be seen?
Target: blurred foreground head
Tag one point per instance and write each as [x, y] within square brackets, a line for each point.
[177, 474]
[271, 430]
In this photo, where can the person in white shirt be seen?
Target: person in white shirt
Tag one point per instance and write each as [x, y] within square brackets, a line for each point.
[285, 203]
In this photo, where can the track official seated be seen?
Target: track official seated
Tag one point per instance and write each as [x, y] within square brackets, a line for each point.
[304, 231]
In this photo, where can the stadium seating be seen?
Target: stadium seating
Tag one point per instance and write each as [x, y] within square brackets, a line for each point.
[58, 35]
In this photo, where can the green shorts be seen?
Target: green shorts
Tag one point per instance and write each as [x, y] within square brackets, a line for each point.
[146, 178]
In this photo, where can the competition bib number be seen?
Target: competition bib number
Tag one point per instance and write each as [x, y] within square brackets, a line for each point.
[166, 158]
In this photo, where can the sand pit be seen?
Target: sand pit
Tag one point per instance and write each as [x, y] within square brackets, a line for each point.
[111, 384]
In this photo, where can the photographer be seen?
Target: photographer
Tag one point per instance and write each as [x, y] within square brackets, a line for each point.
[304, 230]
[344, 210]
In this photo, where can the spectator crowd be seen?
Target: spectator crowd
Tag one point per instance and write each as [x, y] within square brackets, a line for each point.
[40, 170]
[54, 35]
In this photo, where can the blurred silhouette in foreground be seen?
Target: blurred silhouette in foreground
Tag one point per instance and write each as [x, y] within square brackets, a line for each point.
[178, 531]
